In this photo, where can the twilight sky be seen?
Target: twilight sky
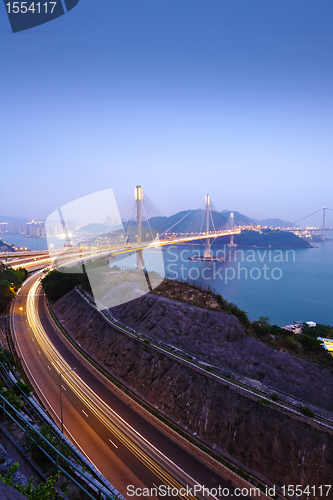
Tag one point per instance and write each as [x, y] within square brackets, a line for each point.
[187, 97]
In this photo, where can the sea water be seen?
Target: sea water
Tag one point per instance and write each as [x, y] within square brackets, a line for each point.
[286, 284]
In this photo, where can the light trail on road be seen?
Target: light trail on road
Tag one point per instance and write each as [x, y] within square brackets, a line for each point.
[107, 427]
[148, 454]
[76, 254]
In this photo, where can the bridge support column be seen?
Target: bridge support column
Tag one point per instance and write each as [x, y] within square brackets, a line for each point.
[232, 221]
[324, 224]
[207, 244]
[138, 199]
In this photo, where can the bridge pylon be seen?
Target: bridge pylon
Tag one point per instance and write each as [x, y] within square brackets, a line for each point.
[207, 253]
[324, 224]
[138, 198]
[232, 223]
[207, 243]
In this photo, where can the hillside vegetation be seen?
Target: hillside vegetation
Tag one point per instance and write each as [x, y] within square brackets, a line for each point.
[305, 345]
[57, 283]
[10, 282]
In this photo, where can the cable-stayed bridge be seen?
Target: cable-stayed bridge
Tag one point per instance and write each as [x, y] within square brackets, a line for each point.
[309, 230]
[136, 235]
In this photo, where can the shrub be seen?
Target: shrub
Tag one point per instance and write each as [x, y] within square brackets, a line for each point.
[307, 411]
[43, 491]
[22, 387]
[311, 344]
[13, 399]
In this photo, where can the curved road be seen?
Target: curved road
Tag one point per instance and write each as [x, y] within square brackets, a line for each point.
[126, 448]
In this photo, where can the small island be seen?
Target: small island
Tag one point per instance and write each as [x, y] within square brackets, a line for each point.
[7, 247]
[265, 238]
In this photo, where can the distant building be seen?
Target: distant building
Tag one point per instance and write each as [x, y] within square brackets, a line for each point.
[298, 327]
[54, 230]
[4, 227]
[35, 228]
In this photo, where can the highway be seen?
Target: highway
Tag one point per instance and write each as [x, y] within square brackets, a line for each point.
[36, 259]
[125, 447]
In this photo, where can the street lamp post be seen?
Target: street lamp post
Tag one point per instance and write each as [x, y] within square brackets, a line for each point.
[61, 414]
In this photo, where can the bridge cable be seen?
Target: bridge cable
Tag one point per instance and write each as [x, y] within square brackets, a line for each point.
[186, 215]
[308, 215]
[212, 218]
[145, 214]
[202, 222]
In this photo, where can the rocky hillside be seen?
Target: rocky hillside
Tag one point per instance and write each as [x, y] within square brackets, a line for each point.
[221, 339]
[285, 448]
[6, 247]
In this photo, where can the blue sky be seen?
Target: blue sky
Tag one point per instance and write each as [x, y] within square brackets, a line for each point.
[187, 97]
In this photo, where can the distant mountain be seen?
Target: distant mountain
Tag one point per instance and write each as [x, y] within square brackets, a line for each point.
[188, 221]
[274, 223]
[239, 219]
[96, 228]
[13, 220]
